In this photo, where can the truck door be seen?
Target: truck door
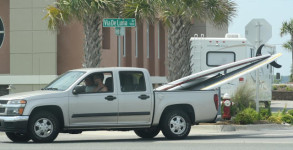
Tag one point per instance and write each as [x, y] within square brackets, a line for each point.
[96, 106]
[135, 100]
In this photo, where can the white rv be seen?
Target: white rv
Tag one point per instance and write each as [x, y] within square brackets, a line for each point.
[212, 52]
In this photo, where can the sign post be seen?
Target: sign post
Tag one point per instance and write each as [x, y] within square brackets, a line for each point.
[119, 24]
[257, 32]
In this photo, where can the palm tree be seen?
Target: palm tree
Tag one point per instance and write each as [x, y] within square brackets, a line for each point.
[178, 15]
[291, 76]
[288, 45]
[140, 10]
[90, 13]
[287, 28]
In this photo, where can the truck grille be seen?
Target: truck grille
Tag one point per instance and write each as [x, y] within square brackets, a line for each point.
[3, 102]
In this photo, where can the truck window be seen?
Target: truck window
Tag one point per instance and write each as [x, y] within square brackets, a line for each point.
[214, 59]
[64, 81]
[92, 84]
[132, 81]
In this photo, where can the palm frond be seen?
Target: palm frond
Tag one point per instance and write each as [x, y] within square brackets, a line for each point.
[56, 17]
[140, 9]
[288, 45]
[65, 11]
[220, 12]
[287, 28]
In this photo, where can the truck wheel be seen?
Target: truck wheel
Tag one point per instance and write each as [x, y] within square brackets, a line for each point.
[18, 137]
[148, 132]
[43, 127]
[175, 125]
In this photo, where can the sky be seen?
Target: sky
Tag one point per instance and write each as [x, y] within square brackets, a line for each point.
[274, 12]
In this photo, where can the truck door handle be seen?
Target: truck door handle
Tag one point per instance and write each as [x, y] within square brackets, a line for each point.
[110, 98]
[143, 97]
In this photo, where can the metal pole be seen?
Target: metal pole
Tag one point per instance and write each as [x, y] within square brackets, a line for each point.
[220, 104]
[119, 51]
[257, 71]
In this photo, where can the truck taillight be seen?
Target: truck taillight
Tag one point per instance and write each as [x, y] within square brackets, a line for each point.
[216, 100]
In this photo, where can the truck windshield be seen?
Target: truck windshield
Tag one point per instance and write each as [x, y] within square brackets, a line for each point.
[64, 81]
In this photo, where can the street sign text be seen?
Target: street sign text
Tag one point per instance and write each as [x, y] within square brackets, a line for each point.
[119, 22]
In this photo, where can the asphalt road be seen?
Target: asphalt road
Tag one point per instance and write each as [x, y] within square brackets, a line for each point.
[197, 140]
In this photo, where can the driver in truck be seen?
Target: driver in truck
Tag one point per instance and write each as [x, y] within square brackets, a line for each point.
[98, 81]
[89, 83]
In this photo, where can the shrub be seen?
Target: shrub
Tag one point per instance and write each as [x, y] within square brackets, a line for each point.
[282, 86]
[284, 110]
[264, 113]
[275, 119]
[289, 89]
[290, 112]
[247, 116]
[243, 98]
[287, 118]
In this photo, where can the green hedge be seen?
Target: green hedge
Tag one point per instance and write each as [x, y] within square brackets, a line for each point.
[247, 116]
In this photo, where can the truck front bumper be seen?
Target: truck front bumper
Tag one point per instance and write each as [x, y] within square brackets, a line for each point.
[13, 123]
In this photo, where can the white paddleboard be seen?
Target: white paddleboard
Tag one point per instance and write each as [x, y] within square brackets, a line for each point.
[243, 72]
[191, 79]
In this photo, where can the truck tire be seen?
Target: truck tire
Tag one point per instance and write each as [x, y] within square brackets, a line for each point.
[175, 124]
[147, 133]
[18, 137]
[43, 127]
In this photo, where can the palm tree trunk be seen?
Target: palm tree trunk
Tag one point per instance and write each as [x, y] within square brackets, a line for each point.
[291, 79]
[292, 46]
[178, 49]
[92, 42]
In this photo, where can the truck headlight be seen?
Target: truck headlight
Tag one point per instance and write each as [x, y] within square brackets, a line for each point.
[15, 107]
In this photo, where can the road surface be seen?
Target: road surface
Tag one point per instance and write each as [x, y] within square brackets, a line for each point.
[197, 140]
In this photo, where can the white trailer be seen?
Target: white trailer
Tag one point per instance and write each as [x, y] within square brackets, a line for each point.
[212, 52]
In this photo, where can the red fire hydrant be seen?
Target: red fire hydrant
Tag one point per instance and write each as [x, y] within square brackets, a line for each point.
[227, 106]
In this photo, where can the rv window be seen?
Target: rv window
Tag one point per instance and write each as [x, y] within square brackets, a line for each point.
[251, 52]
[220, 58]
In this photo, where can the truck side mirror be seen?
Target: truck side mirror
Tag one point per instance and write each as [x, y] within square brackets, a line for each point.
[78, 89]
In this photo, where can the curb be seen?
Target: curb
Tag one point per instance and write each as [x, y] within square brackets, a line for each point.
[217, 128]
[231, 128]
[258, 127]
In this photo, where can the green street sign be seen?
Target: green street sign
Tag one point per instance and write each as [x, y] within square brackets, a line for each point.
[119, 22]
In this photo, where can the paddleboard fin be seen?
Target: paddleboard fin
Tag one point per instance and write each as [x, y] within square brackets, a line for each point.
[258, 52]
[275, 64]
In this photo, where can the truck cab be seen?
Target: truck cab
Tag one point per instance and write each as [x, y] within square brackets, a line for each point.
[125, 87]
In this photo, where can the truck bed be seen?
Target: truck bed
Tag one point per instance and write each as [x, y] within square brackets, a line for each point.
[201, 101]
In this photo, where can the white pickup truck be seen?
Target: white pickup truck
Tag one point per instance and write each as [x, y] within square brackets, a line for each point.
[128, 103]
